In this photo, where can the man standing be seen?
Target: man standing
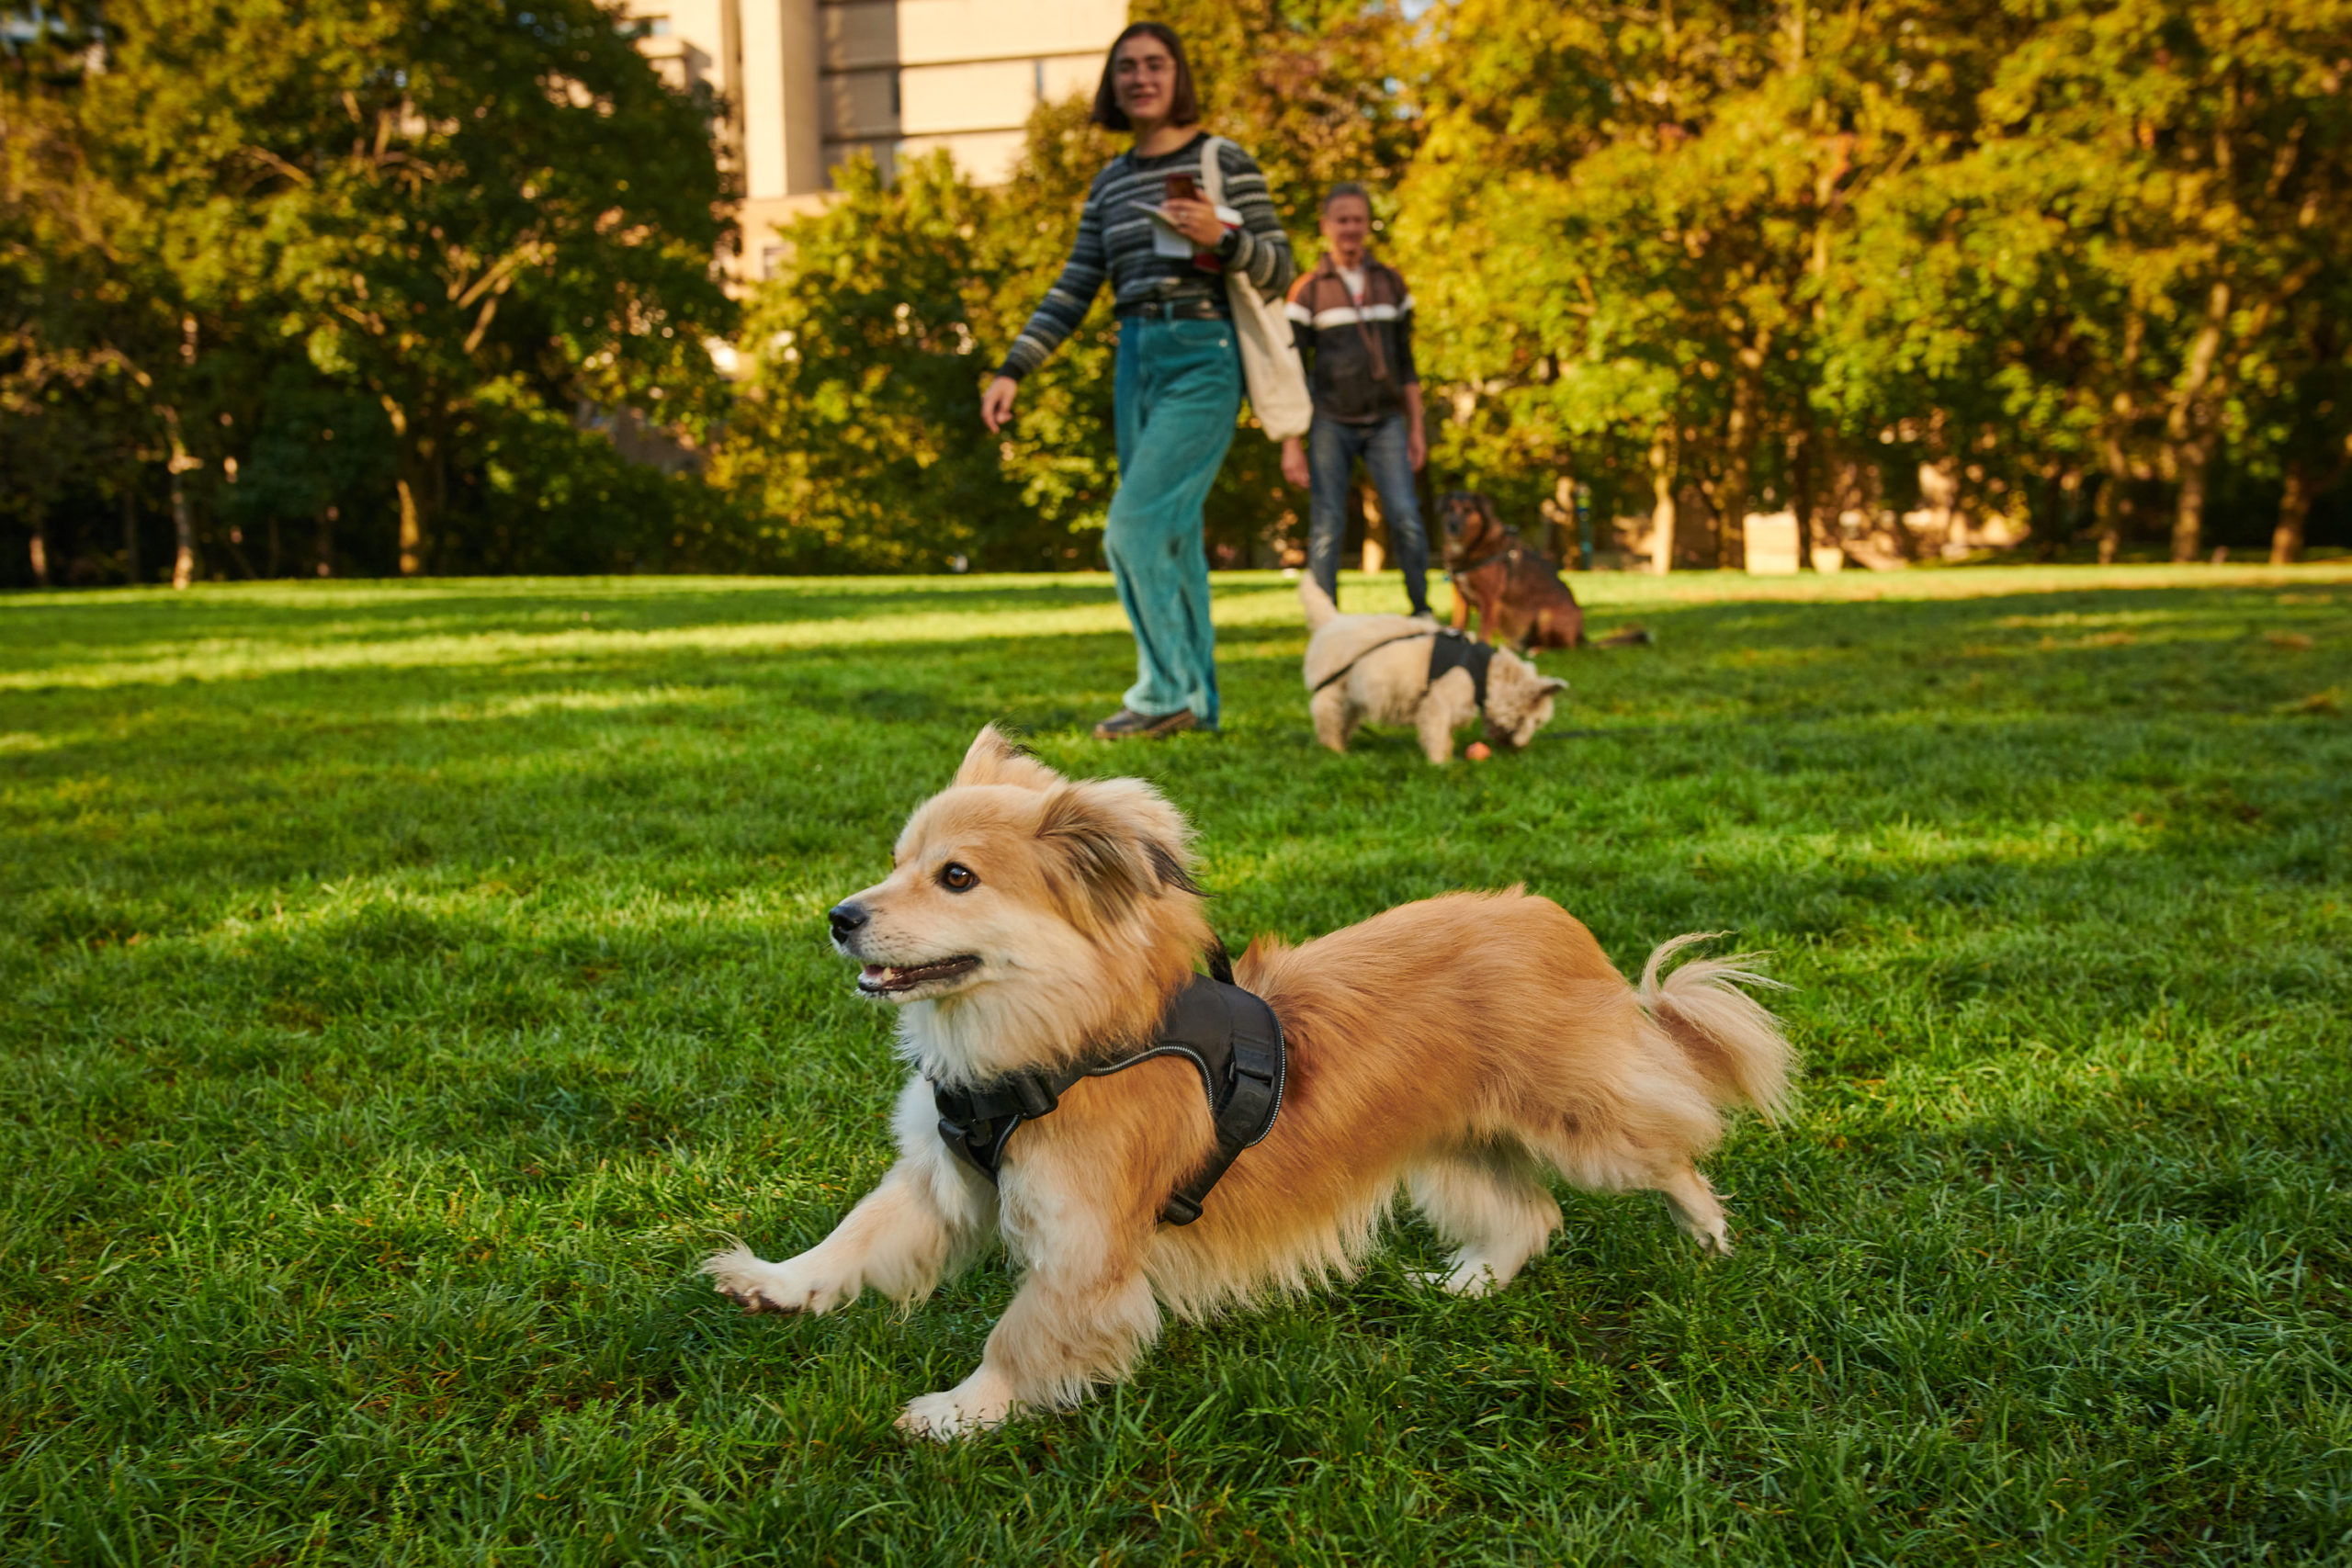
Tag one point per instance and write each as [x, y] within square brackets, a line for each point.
[1352, 320]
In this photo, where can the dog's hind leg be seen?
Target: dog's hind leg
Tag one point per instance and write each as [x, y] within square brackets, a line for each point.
[1491, 1206]
[1334, 716]
[1696, 1208]
[926, 1220]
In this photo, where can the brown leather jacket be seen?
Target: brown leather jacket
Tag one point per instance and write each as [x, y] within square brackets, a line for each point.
[1359, 354]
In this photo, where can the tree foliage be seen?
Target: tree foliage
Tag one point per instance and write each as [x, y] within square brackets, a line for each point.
[419, 284]
[477, 219]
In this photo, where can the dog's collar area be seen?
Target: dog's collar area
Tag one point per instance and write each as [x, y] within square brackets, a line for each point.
[1509, 552]
[1230, 1035]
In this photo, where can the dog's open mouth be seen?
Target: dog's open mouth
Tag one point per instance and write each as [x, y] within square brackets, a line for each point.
[883, 979]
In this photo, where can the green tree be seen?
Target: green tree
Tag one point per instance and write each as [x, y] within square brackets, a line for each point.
[2125, 252]
[858, 432]
[485, 218]
[1626, 214]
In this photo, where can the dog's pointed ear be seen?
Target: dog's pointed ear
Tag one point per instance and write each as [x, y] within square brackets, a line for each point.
[994, 760]
[1110, 844]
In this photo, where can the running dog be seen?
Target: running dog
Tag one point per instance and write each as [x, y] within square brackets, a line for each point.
[1394, 670]
[1462, 1048]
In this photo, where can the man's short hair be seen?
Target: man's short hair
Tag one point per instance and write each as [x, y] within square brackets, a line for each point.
[1346, 189]
[1183, 104]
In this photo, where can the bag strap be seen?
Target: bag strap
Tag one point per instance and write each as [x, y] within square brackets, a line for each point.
[1212, 172]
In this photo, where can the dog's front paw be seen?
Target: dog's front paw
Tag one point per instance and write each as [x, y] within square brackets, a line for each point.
[1470, 1281]
[973, 1406]
[793, 1286]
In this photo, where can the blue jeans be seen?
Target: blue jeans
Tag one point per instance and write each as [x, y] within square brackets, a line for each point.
[1332, 449]
[1175, 399]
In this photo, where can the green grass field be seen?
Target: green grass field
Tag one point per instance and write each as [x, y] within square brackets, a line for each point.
[403, 987]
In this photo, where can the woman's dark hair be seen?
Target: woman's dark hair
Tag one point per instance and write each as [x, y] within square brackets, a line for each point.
[1184, 106]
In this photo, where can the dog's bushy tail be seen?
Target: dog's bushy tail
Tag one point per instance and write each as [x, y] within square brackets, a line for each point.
[1736, 1045]
[1318, 605]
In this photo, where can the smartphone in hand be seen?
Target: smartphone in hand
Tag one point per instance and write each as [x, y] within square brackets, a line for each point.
[1179, 188]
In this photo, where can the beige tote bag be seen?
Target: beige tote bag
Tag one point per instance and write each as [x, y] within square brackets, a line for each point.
[1269, 359]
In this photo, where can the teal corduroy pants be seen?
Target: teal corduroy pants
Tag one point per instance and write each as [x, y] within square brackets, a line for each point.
[1178, 394]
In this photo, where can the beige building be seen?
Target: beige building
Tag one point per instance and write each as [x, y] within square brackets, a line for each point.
[808, 82]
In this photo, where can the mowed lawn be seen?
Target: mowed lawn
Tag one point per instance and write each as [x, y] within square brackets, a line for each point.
[403, 987]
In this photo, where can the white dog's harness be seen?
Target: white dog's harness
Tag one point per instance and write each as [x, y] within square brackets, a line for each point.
[1230, 1034]
[1452, 650]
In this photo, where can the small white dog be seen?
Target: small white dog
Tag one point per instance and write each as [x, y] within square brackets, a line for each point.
[1383, 670]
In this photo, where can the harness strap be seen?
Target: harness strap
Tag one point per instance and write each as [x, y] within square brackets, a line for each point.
[1508, 552]
[1228, 1034]
[1341, 674]
[1451, 650]
[1458, 653]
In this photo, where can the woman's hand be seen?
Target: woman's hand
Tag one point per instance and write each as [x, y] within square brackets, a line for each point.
[1196, 221]
[1294, 463]
[996, 403]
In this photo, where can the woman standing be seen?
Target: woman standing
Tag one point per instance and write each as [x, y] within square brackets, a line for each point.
[1178, 385]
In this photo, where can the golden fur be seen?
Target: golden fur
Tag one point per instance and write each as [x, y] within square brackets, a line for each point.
[1464, 1048]
[1389, 682]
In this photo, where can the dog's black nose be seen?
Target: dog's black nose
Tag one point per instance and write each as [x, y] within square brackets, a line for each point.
[848, 920]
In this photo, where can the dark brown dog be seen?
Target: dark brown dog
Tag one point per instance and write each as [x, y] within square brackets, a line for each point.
[1515, 587]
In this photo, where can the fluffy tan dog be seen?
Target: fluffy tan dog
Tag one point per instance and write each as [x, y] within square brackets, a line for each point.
[1464, 1048]
[1387, 682]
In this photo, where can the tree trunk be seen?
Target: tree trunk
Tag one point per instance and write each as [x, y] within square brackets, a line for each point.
[411, 539]
[183, 524]
[1805, 467]
[1662, 504]
[183, 535]
[1560, 534]
[130, 535]
[40, 543]
[2193, 459]
[2113, 506]
[326, 541]
[411, 531]
[2189, 427]
[2294, 506]
[273, 545]
[1739, 460]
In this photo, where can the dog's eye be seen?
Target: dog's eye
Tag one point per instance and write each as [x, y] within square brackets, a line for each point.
[956, 877]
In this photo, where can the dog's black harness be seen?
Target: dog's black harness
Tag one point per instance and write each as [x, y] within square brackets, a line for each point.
[1231, 1035]
[1452, 650]
[1455, 650]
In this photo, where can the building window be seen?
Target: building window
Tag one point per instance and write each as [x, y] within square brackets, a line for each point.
[771, 258]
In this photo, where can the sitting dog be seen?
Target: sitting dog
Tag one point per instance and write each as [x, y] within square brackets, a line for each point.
[1515, 587]
[1464, 1047]
[1394, 670]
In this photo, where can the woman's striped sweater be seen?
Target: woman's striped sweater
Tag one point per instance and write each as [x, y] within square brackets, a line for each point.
[1114, 241]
